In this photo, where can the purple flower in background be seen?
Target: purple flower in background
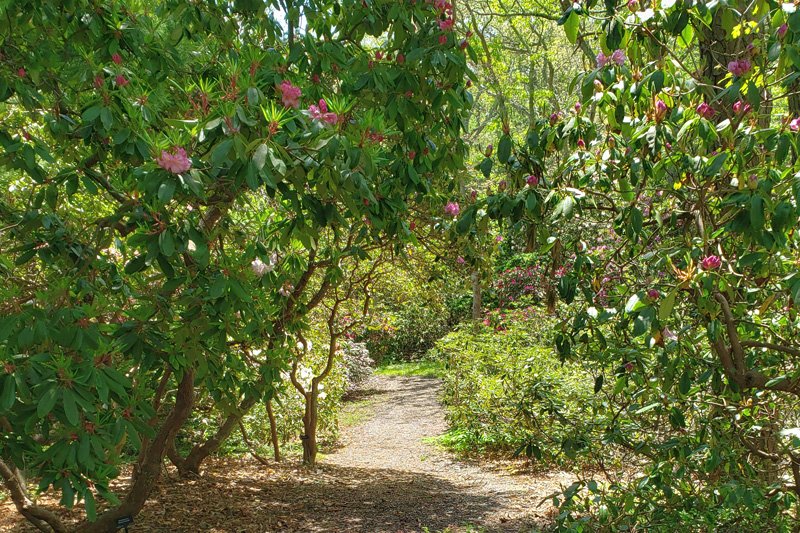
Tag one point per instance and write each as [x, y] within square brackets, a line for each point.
[705, 110]
[782, 30]
[711, 262]
[740, 67]
[532, 180]
[794, 125]
[741, 107]
[452, 209]
[602, 59]
[618, 57]
[176, 162]
[460, 260]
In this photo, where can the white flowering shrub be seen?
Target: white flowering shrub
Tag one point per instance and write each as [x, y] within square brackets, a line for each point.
[358, 364]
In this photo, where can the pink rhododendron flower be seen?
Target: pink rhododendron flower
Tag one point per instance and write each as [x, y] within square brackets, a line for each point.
[705, 110]
[320, 112]
[499, 238]
[176, 161]
[117, 59]
[741, 107]
[660, 111]
[618, 57]
[633, 5]
[602, 59]
[711, 262]
[554, 118]
[532, 180]
[668, 334]
[290, 95]
[21, 72]
[740, 67]
[653, 294]
[794, 125]
[121, 80]
[578, 107]
[782, 30]
[446, 24]
[460, 260]
[452, 209]
[443, 39]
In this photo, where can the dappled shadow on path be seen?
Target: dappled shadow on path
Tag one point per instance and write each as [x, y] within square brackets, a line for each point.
[244, 497]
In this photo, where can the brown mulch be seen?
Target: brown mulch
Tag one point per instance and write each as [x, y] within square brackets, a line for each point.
[383, 478]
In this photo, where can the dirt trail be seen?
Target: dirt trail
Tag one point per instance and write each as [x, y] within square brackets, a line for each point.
[433, 489]
[383, 478]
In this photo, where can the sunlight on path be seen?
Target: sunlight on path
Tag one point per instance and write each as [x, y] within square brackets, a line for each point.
[406, 412]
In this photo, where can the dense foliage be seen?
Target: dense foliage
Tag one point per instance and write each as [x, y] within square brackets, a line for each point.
[182, 184]
[215, 215]
[665, 202]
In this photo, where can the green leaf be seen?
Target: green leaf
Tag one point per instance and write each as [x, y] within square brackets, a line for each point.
[8, 393]
[685, 383]
[91, 114]
[598, 383]
[666, 305]
[633, 304]
[70, 408]
[90, 505]
[716, 164]
[217, 288]
[167, 243]
[47, 402]
[504, 149]
[486, 167]
[757, 212]
[260, 156]
[136, 264]
[166, 190]
[571, 27]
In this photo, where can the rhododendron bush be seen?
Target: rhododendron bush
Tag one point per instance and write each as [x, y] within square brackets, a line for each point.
[681, 143]
[181, 184]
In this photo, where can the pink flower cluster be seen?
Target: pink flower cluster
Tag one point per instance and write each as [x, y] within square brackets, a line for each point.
[320, 112]
[176, 162]
[740, 107]
[520, 282]
[617, 58]
[740, 67]
[290, 95]
[705, 110]
[452, 209]
[532, 180]
[794, 125]
[711, 262]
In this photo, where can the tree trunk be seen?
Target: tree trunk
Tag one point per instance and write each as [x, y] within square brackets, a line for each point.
[477, 296]
[273, 431]
[309, 439]
[190, 465]
[150, 469]
[40, 517]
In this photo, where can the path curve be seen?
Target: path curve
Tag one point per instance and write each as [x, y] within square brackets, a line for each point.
[434, 490]
[383, 478]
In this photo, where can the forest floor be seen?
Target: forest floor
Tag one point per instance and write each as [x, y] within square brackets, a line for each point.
[385, 476]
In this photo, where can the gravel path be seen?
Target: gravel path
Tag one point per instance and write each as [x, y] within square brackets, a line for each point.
[432, 489]
[383, 479]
